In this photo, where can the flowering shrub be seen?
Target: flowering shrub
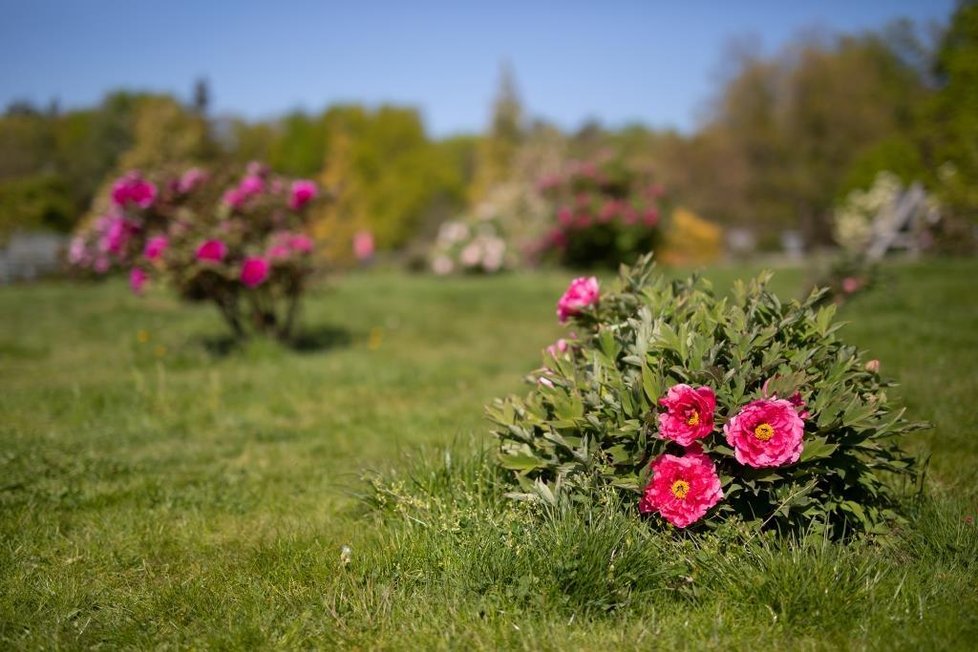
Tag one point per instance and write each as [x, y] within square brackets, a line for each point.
[473, 246]
[239, 245]
[705, 409]
[871, 215]
[603, 214]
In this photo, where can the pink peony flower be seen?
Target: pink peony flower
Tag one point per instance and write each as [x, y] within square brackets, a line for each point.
[279, 252]
[303, 191]
[682, 489]
[116, 232]
[363, 245]
[629, 215]
[651, 217]
[256, 169]
[557, 238]
[155, 247]
[565, 217]
[851, 284]
[190, 179]
[133, 189]
[137, 279]
[582, 221]
[581, 293]
[608, 211]
[254, 271]
[212, 251]
[77, 252]
[301, 243]
[251, 185]
[688, 415]
[234, 198]
[766, 432]
[558, 348]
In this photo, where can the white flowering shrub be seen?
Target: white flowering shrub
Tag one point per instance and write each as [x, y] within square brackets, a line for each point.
[471, 246]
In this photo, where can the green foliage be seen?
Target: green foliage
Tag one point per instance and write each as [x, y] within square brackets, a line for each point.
[951, 131]
[160, 494]
[299, 148]
[387, 176]
[39, 202]
[592, 422]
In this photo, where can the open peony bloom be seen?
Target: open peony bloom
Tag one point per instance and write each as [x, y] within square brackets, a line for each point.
[682, 489]
[133, 189]
[254, 271]
[688, 415]
[155, 247]
[581, 293]
[212, 251]
[303, 191]
[766, 432]
[137, 279]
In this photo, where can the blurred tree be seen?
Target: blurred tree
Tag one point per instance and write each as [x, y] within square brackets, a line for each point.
[951, 139]
[299, 145]
[164, 133]
[385, 176]
[498, 147]
[798, 122]
[34, 202]
[202, 97]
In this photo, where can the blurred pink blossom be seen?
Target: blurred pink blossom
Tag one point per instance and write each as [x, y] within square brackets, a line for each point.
[155, 247]
[363, 245]
[303, 191]
[133, 189]
[212, 251]
[254, 271]
[137, 279]
[851, 284]
[302, 243]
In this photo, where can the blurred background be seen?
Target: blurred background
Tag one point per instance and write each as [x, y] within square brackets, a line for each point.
[480, 138]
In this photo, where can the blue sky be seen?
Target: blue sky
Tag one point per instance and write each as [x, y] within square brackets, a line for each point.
[655, 62]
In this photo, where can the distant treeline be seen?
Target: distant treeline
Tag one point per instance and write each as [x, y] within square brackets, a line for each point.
[784, 138]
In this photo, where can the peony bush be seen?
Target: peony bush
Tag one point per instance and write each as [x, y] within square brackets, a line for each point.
[475, 245]
[700, 409]
[603, 213]
[239, 243]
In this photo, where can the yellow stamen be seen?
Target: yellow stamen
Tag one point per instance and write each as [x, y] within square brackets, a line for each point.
[694, 419]
[764, 431]
[680, 488]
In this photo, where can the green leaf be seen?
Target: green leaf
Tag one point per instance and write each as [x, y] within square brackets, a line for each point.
[817, 448]
[519, 462]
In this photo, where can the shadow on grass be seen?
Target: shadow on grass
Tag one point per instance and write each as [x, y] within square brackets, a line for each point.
[309, 340]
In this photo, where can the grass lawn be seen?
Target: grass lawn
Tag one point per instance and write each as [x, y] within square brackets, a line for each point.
[158, 489]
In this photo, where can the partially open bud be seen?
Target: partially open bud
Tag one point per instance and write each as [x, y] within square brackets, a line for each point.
[873, 366]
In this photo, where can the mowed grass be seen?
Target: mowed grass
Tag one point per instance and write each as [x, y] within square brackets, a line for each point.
[160, 490]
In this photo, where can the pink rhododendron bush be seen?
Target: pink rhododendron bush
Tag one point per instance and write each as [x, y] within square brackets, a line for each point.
[700, 409]
[238, 242]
